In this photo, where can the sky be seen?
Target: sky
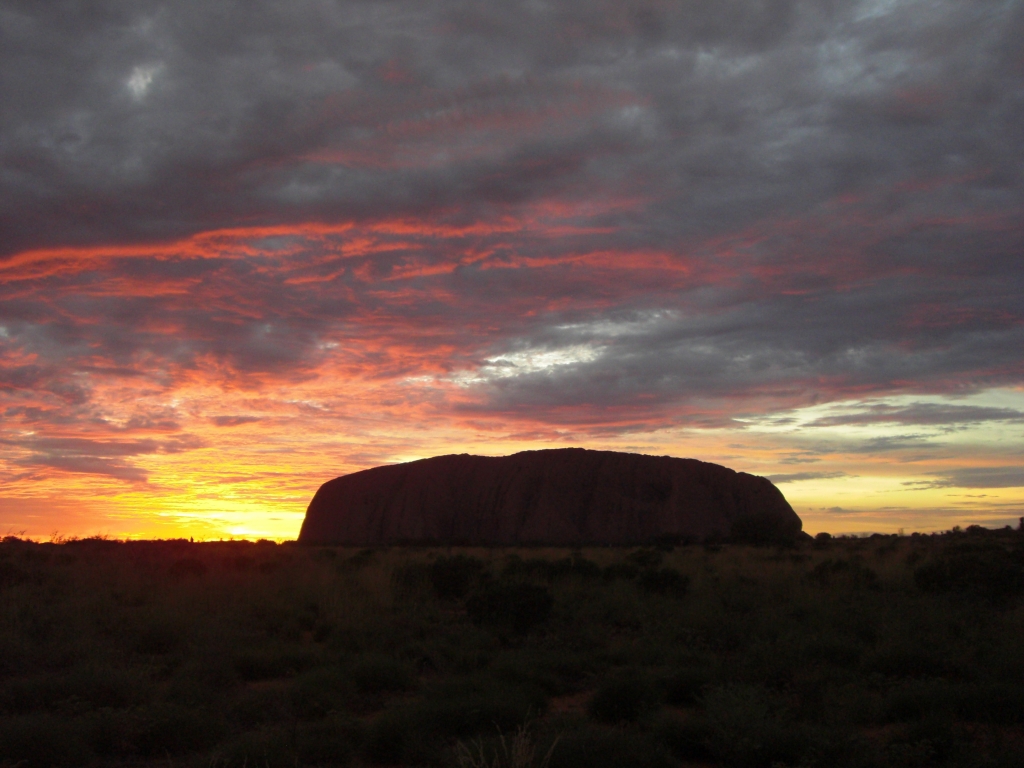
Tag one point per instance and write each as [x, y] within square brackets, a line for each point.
[246, 247]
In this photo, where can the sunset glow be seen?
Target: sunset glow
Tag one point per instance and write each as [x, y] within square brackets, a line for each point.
[795, 250]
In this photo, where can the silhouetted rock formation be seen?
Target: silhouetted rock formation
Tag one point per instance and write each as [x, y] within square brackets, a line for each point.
[567, 496]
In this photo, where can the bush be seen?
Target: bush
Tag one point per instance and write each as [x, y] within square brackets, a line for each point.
[87, 686]
[416, 732]
[321, 691]
[257, 707]
[622, 699]
[453, 577]
[687, 738]
[157, 639]
[329, 742]
[749, 728]
[620, 571]
[271, 748]
[847, 573]
[382, 674]
[510, 607]
[989, 572]
[169, 729]
[42, 740]
[645, 558]
[272, 663]
[684, 687]
[600, 748]
[187, 567]
[573, 566]
[665, 581]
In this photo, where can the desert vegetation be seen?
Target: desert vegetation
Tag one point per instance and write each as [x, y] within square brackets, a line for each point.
[881, 651]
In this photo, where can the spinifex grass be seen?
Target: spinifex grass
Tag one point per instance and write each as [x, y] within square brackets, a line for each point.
[857, 652]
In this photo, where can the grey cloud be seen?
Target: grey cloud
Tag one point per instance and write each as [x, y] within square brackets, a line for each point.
[234, 421]
[737, 108]
[840, 182]
[94, 455]
[980, 477]
[920, 413]
[92, 465]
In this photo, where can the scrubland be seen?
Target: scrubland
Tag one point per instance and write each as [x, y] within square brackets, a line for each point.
[883, 651]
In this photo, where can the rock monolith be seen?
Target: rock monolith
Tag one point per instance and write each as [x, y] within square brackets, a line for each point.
[559, 497]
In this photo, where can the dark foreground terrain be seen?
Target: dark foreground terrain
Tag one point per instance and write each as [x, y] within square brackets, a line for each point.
[846, 652]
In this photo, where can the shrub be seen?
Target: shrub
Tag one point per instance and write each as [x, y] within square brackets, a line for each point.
[453, 577]
[510, 607]
[599, 748]
[187, 567]
[687, 738]
[664, 581]
[321, 691]
[88, 686]
[516, 751]
[645, 558]
[572, 566]
[415, 732]
[110, 732]
[683, 687]
[382, 674]
[271, 663]
[329, 742]
[411, 581]
[845, 573]
[764, 530]
[157, 639]
[169, 729]
[271, 748]
[257, 707]
[42, 740]
[622, 699]
[986, 571]
[620, 571]
[749, 728]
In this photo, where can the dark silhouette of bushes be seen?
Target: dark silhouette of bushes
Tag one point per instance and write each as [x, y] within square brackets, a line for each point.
[382, 674]
[187, 567]
[850, 573]
[664, 581]
[416, 732]
[684, 687]
[600, 748]
[762, 530]
[620, 572]
[453, 577]
[510, 607]
[793, 658]
[541, 569]
[989, 571]
[646, 558]
[623, 699]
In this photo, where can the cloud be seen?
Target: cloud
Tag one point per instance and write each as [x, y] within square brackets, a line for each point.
[935, 414]
[796, 477]
[556, 219]
[979, 477]
[91, 465]
[234, 421]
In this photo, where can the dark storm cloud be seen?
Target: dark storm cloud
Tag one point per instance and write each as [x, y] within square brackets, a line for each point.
[130, 121]
[798, 201]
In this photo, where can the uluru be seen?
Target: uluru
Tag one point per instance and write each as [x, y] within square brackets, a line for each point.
[558, 497]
